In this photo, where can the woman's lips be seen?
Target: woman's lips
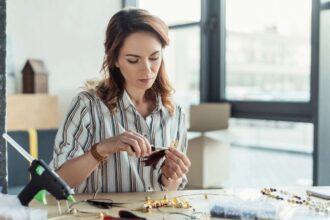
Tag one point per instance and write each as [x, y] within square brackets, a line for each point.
[146, 80]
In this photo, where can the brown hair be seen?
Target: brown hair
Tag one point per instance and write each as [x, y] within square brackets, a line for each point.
[121, 25]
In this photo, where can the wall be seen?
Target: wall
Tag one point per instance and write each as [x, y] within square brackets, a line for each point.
[67, 35]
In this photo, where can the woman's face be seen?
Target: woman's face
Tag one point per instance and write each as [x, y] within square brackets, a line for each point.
[139, 60]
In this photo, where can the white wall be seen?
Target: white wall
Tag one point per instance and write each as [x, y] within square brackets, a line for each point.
[67, 35]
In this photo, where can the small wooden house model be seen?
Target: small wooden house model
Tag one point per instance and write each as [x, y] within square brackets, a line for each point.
[35, 77]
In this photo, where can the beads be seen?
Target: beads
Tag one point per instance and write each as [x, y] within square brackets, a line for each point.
[318, 207]
[165, 202]
[282, 195]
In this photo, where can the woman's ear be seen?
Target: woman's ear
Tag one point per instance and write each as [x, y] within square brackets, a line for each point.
[117, 64]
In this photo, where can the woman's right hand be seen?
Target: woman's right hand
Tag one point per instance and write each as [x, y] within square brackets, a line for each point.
[130, 141]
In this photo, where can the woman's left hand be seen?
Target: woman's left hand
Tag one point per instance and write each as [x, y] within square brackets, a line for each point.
[175, 165]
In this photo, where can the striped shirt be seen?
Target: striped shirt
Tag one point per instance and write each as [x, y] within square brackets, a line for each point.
[89, 121]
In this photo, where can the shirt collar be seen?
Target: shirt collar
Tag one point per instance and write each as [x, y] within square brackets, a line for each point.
[127, 101]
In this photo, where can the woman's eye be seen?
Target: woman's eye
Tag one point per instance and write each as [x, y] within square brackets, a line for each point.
[132, 61]
[154, 58]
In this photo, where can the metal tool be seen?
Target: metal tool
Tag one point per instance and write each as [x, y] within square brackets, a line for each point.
[153, 148]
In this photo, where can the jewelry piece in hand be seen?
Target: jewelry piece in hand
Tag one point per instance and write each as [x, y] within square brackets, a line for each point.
[158, 153]
[153, 159]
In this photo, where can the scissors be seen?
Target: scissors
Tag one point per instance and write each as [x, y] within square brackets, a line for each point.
[104, 203]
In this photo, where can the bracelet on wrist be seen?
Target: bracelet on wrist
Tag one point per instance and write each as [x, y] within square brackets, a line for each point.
[96, 154]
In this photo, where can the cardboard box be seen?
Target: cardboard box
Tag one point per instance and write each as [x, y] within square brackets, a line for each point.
[209, 155]
[209, 117]
[209, 162]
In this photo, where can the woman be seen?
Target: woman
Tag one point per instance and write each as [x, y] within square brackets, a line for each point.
[110, 128]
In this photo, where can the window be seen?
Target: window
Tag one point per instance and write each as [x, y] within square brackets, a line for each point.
[267, 75]
[278, 135]
[268, 50]
[171, 10]
[182, 56]
[274, 153]
[182, 63]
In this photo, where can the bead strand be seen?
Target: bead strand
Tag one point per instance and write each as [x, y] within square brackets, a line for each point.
[318, 207]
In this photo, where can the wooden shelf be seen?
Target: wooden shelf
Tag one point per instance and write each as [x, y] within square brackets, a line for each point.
[26, 111]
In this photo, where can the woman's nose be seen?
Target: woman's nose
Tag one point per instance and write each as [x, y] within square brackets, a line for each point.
[146, 66]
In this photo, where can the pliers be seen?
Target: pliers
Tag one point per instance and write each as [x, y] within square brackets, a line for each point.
[124, 215]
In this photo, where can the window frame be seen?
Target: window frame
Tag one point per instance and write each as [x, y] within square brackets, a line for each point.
[214, 15]
[314, 111]
[321, 108]
[3, 144]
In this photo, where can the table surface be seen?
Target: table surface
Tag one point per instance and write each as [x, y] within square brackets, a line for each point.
[201, 201]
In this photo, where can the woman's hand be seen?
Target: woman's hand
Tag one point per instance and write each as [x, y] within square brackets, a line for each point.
[130, 141]
[175, 165]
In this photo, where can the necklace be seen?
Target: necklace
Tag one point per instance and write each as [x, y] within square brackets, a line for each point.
[317, 206]
[282, 195]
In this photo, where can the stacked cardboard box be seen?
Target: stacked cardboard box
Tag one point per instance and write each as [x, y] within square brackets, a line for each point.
[209, 155]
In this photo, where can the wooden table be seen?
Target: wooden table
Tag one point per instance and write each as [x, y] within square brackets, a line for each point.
[200, 200]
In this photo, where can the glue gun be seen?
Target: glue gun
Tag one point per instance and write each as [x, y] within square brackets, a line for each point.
[42, 179]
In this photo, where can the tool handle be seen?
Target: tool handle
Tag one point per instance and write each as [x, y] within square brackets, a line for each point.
[28, 193]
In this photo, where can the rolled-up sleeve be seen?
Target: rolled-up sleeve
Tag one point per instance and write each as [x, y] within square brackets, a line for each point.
[74, 136]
